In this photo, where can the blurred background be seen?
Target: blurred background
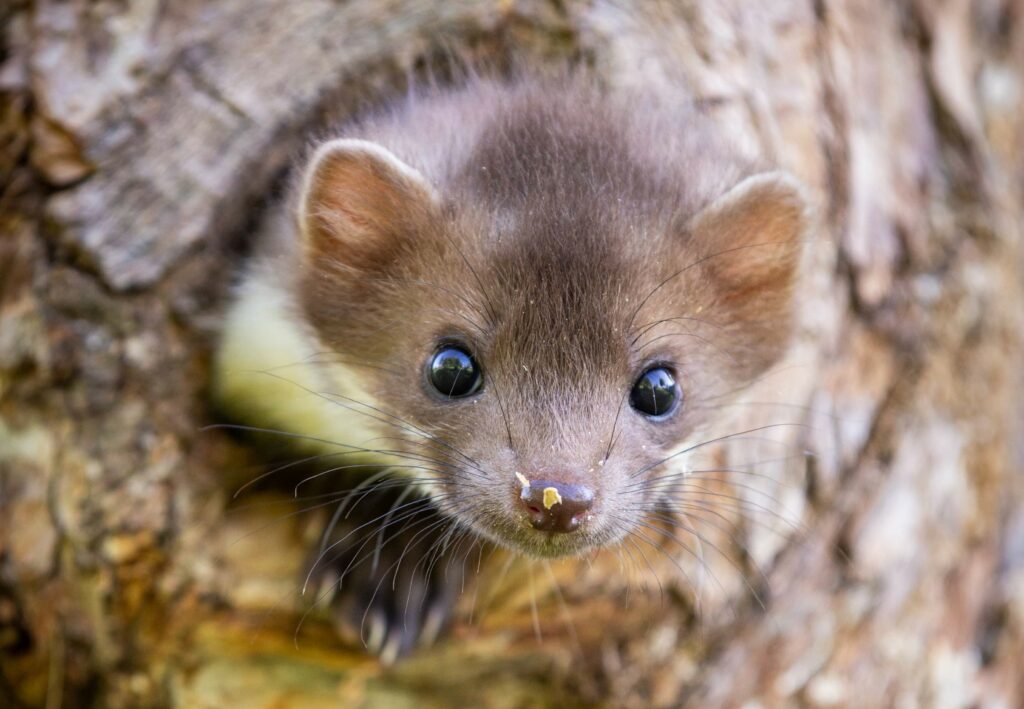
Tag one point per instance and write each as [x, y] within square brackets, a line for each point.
[877, 558]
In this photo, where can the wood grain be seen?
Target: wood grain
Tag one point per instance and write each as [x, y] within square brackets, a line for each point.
[876, 557]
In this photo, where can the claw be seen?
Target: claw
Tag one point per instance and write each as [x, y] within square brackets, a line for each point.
[392, 649]
[378, 630]
[436, 617]
[401, 603]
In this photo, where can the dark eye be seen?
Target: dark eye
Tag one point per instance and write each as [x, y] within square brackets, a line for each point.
[655, 393]
[454, 372]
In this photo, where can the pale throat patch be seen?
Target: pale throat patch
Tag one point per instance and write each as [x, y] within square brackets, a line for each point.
[271, 371]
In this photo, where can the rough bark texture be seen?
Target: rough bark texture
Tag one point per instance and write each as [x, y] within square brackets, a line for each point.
[882, 565]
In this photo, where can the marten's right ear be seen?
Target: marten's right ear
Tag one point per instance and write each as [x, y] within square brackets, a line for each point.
[360, 203]
[749, 241]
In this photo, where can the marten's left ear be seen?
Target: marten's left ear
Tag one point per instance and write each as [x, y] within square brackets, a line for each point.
[750, 237]
[360, 203]
[749, 242]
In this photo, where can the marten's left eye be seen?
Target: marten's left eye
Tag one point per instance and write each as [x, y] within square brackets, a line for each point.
[454, 372]
[655, 393]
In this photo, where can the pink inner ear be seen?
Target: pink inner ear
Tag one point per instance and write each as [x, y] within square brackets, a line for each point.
[749, 242]
[346, 191]
[360, 199]
[751, 236]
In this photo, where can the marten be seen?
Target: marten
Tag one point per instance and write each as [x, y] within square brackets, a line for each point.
[510, 308]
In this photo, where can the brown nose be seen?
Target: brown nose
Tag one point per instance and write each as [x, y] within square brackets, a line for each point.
[556, 507]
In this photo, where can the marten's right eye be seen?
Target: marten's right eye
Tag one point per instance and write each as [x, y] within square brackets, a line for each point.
[453, 372]
[655, 393]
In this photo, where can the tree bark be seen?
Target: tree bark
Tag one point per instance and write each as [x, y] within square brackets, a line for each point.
[874, 558]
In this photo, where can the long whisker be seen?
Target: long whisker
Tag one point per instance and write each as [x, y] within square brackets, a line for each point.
[282, 518]
[615, 423]
[686, 484]
[564, 607]
[691, 528]
[695, 336]
[675, 562]
[693, 506]
[314, 360]
[418, 501]
[354, 466]
[470, 462]
[745, 508]
[389, 418]
[496, 587]
[672, 538]
[395, 421]
[489, 315]
[534, 615]
[737, 469]
[694, 264]
[338, 513]
[387, 522]
[650, 567]
[709, 441]
[327, 592]
[647, 327]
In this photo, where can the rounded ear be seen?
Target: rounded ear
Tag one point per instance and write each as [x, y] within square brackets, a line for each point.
[750, 238]
[360, 203]
[749, 242]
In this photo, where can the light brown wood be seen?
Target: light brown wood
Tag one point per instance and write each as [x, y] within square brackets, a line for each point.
[883, 532]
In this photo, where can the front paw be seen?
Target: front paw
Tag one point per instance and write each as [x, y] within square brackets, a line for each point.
[393, 570]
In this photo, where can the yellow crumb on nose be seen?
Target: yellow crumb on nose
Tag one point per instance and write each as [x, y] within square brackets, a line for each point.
[551, 497]
[523, 481]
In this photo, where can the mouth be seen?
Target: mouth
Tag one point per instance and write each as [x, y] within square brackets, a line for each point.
[545, 545]
[519, 529]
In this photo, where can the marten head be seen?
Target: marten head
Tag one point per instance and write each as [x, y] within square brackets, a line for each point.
[553, 324]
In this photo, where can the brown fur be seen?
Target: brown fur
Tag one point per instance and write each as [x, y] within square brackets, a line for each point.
[570, 239]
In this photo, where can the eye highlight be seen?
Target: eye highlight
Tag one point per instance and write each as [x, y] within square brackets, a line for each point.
[656, 393]
[453, 372]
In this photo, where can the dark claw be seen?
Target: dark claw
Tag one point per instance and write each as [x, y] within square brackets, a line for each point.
[396, 579]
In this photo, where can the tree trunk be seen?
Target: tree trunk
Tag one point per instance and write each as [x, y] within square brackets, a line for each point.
[874, 558]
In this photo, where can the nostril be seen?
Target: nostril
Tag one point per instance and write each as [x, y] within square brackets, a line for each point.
[555, 506]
